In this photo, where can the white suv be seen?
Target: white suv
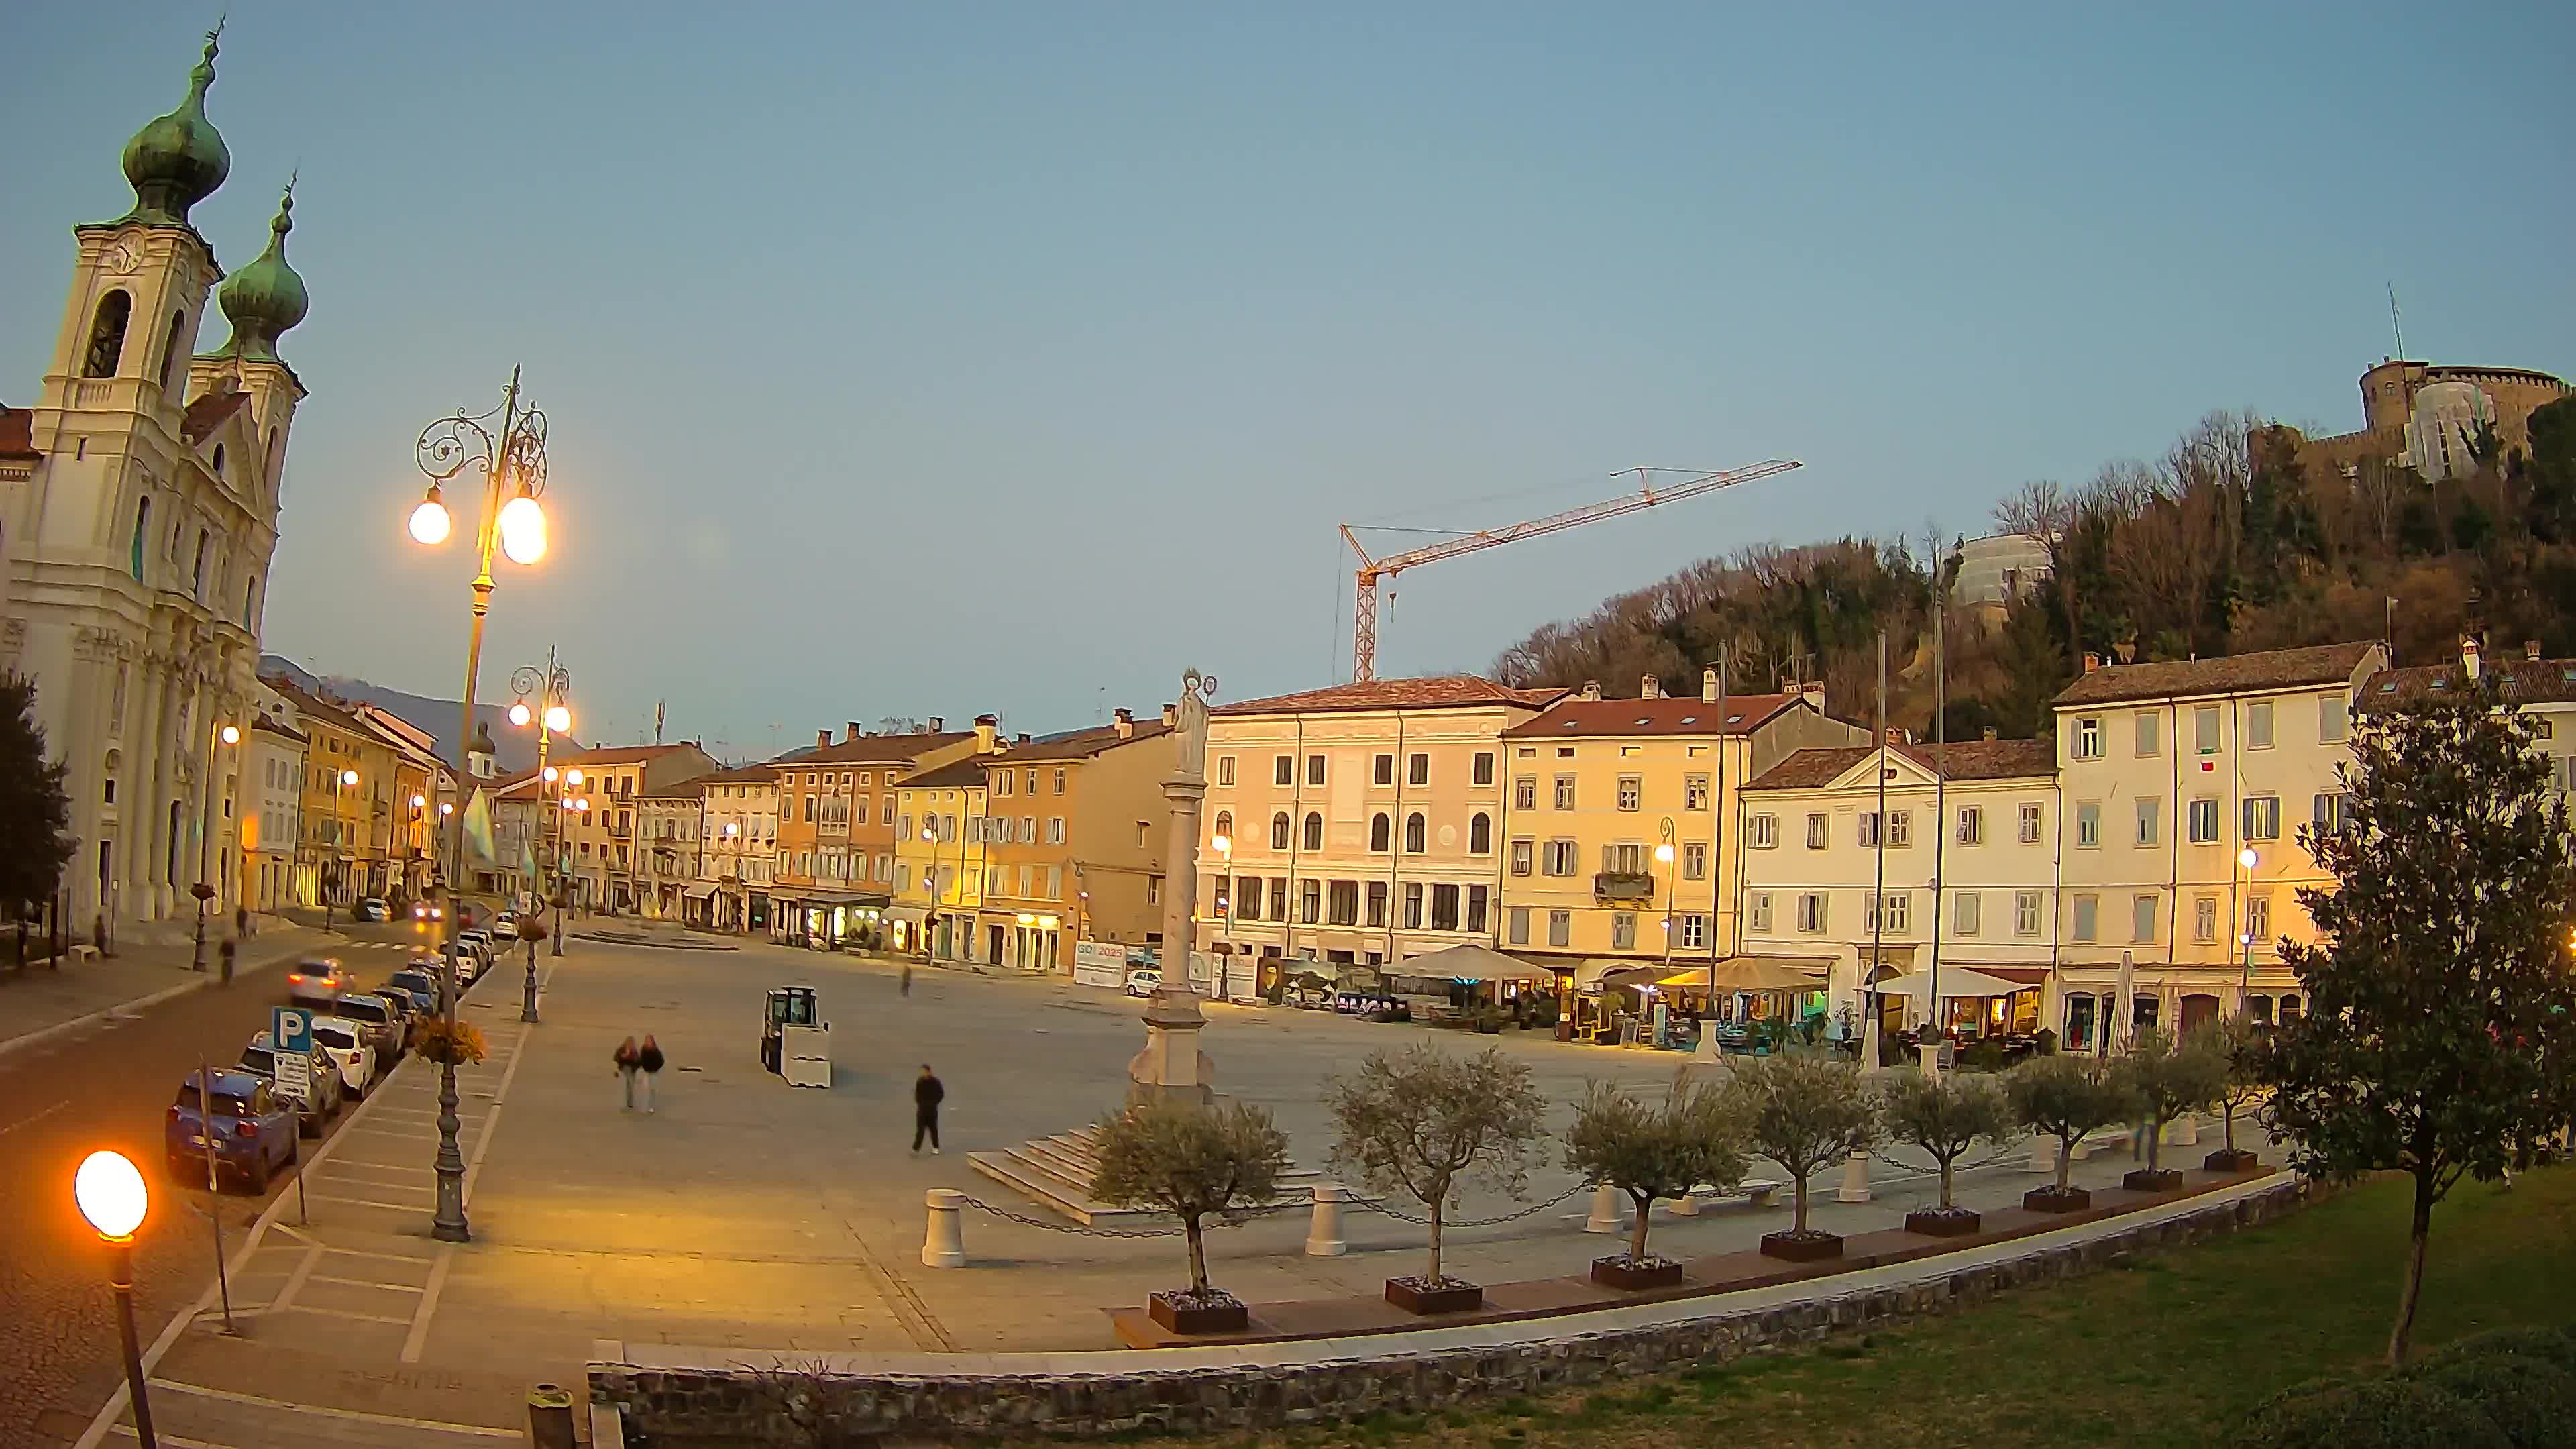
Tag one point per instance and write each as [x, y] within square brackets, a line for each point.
[345, 1042]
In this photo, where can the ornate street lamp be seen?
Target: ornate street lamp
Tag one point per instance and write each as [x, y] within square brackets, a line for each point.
[111, 1195]
[513, 464]
[552, 717]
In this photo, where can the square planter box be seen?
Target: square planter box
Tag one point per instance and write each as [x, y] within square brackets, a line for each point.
[1813, 1247]
[1411, 1295]
[1229, 1316]
[1934, 1223]
[2230, 1162]
[1633, 1275]
[2162, 1179]
[2050, 1200]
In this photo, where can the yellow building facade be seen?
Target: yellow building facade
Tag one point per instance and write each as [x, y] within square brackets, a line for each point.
[1073, 840]
[939, 861]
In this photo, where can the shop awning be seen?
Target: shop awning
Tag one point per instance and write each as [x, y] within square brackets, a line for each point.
[1468, 961]
[907, 915]
[1756, 973]
[1955, 981]
[700, 892]
[1628, 974]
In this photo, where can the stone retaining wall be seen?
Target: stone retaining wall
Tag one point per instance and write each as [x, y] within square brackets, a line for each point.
[740, 1406]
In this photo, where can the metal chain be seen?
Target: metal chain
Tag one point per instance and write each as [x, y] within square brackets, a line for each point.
[1363, 1205]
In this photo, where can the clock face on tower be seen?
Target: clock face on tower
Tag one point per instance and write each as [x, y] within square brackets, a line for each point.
[124, 256]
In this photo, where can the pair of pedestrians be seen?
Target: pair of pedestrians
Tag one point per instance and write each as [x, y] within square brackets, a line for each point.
[636, 1067]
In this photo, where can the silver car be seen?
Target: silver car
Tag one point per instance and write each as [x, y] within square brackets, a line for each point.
[260, 1060]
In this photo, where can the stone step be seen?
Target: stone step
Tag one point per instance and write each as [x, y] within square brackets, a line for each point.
[1049, 1191]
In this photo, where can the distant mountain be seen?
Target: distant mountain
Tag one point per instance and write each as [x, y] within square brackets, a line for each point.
[515, 748]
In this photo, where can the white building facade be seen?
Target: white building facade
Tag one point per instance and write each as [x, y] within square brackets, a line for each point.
[138, 520]
[738, 845]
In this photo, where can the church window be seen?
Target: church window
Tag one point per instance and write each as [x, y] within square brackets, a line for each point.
[170, 350]
[142, 530]
[250, 604]
[197, 573]
[107, 335]
[219, 460]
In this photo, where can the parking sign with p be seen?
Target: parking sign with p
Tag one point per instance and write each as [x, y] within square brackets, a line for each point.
[290, 1035]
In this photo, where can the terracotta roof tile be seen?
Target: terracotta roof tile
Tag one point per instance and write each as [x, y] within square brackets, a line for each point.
[764, 773]
[2227, 674]
[1965, 760]
[1079, 744]
[208, 413]
[1572, 718]
[874, 749]
[1443, 691]
[967, 774]
[2528, 681]
[618, 754]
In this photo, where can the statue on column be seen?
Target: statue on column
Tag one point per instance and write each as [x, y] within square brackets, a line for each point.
[1171, 1065]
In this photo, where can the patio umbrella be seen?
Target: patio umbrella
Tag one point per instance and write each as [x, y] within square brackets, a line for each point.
[1754, 973]
[1957, 981]
[1468, 961]
[2116, 1031]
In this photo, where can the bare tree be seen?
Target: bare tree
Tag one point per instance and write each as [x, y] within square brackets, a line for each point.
[2046, 511]
[1424, 1122]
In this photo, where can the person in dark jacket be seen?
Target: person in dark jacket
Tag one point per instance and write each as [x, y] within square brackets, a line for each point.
[927, 1094]
[648, 1060]
[625, 1059]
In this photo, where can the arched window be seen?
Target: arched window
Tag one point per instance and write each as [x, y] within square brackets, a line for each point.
[114, 763]
[197, 571]
[1380, 829]
[1314, 831]
[1413, 833]
[1480, 834]
[1279, 831]
[1225, 823]
[142, 530]
[219, 460]
[107, 335]
[170, 350]
[250, 604]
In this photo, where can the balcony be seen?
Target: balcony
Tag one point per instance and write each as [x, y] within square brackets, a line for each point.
[1627, 886]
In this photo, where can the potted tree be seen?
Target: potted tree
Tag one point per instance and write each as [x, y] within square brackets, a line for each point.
[1945, 1116]
[2167, 1077]
[2239, 1043]
[1425, 1123]
[1803, 1112]
[1191, 1160]
[1651, 1151]
[2064, 1097]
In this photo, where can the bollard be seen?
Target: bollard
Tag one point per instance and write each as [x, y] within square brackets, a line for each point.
[550, 1418]
[944, 1245]
[1686, 1206]
[1324, 1230]
[1855, 1186]
[1929, 1057]
[1605, 1210]
[2183, 1131]
[2043, 1155]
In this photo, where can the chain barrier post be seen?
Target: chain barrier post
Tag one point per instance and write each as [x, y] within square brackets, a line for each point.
[1686, 1206]
[1324, 1230]
[943, 1245]
[1605, 1210]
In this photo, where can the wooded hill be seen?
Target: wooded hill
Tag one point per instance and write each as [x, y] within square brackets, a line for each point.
[2225, 544]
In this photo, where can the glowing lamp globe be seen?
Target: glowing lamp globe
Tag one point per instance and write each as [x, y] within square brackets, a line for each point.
[523, 530]
[572, 777]
[558, 718]
[348, 777]
[1224, 844]
[551, 772]
[111, 1194]
[2246, 857]
[519, 715]
[429, 522]
[232, 734]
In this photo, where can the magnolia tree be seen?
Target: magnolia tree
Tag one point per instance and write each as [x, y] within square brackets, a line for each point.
[1425, 1123]
[2439, 1034]
[2165, 1077]
[1190, 1160]
[2065, 1097]
[2239, 1044]
[1946, 1115]
[1651, 1150]
[1804, 1112]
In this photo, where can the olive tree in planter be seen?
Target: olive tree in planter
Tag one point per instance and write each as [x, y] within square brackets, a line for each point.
[2167, 1077]
[1650, 1151]
[1425, 1123]
[2239, 1043]
[1945, 1115]
[2064, 1097]
[1804, 1112]
[1191, 1160]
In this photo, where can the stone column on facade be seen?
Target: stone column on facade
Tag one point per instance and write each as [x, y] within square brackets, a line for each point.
[1171, 1066]
[147, 899]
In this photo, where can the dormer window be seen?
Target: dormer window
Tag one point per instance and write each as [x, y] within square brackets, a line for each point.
[219, 460]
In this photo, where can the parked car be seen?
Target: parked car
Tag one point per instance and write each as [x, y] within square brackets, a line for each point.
[373, 908]
[252, 1127]
[317, 981]
[1144, 981]
[348, 1047]
[506, 925]
[321, 1102]
[481, 943]
[418, 981]
[378, 1025]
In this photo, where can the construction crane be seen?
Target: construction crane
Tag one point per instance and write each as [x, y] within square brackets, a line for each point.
[1373, 571]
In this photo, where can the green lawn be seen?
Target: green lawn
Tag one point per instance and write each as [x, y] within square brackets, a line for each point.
[2170, 1351]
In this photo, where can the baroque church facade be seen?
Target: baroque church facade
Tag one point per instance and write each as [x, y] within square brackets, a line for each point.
[138, 515]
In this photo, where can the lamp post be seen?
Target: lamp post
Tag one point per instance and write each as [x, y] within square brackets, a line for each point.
[111, 1195]
[513, 462]
[225, 735]
[551, 717]
[2245, 936]
[1664, 858]
[733, 843]
[1224, 845]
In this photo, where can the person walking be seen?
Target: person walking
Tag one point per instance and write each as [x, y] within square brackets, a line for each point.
[225, 953]
[241, 920]
[648, 1060]
[927, 1094]
[626, 1058]
[906, 988]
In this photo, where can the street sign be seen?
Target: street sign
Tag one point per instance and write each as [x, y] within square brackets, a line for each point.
[290, 1035]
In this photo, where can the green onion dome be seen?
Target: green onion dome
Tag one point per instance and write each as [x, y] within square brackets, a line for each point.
[178, 160]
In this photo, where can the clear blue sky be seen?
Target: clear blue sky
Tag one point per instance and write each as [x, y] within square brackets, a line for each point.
[930, 359]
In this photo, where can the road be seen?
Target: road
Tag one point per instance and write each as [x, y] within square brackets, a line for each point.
[110, 1087]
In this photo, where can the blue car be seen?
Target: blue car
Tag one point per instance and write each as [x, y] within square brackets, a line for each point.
[417, 983]
[254, 1130]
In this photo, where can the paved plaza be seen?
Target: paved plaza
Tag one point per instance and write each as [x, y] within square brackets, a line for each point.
[751, 1215]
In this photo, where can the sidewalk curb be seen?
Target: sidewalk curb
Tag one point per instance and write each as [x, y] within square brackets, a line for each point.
[44, 1034]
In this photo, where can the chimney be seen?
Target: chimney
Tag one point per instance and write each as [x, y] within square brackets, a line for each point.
[986, 727]
[938, 726]
[822, 738]
[1708, 685]
[2469, 656]
[1124, 721]
[1989, 733]
[1650, 687]
[850, 731]
[2531, 650]
[1813, 691]
[1021, 739]
[1171, 715]
[1592, 689]
[1895, 736]
[2092, 661]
